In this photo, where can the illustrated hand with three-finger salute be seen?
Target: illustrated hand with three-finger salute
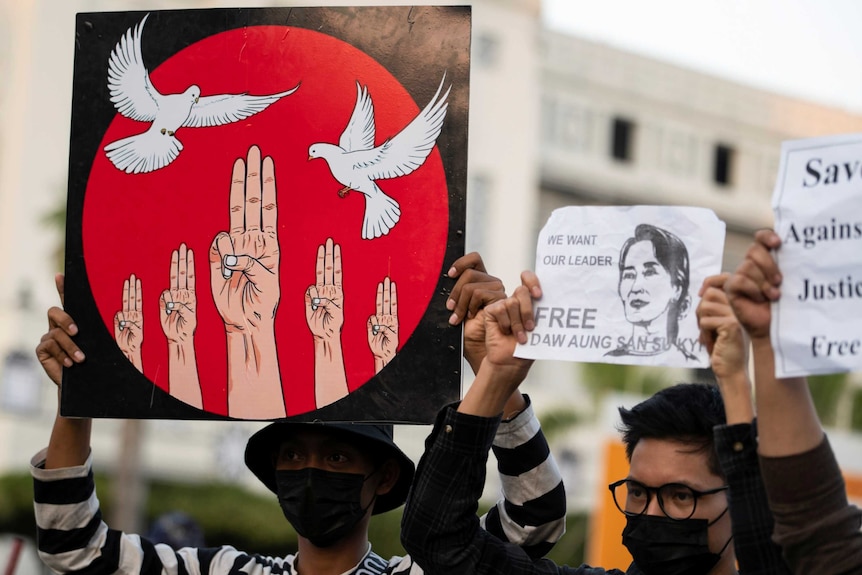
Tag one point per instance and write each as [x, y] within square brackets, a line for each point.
[129, 323]
[244, 261]
[382, 327]
[178, 304]
[324, 300]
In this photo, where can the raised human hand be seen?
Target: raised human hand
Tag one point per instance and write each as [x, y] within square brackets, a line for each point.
[244, 262]
[494, 391]
[720, 331]
[129, 322]
[726, 343]
[178, 304]
[324, 300]
[755, 285]
[383, 325]
[474, 289]
[508, 321]
[69, 445]
[56, 349]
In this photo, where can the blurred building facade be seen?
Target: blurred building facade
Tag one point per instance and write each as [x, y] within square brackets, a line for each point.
[554, 120]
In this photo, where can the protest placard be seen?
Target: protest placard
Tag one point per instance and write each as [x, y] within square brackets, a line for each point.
[620, 284]
[248, 193]
[818, 215]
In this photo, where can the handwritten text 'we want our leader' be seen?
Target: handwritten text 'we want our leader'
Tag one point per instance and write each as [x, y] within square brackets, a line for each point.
[575, 260]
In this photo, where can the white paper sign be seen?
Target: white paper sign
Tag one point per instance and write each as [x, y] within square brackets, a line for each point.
[620, 284]
[817, 323]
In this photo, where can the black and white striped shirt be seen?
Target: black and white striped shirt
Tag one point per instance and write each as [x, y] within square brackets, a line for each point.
[73, 537]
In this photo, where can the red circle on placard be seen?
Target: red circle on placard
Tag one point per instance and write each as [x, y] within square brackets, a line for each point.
[132, 222]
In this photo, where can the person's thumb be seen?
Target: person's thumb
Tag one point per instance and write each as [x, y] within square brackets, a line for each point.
[245, 264]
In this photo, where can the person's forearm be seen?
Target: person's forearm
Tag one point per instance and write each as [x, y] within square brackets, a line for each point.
[183, 370]
[330, 379]
[492, 389]
[736, 394]
[514, 405]
[786, 419]
[69, 445]
[474, 355]
[440, 528]
[254, 381]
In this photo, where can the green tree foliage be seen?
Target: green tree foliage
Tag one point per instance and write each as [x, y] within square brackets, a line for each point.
[557, 422]
[571, 548]
[827, 391]
[228, 515]
[857, 411]
[16, 505]
[603, 378]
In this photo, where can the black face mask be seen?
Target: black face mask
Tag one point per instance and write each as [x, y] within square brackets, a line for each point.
[323, 506]
[664, 546]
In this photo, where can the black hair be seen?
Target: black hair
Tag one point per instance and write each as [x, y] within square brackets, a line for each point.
[671, 253]
[685, 412]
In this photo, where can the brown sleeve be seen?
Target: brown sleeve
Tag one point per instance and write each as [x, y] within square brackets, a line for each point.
[815, 525]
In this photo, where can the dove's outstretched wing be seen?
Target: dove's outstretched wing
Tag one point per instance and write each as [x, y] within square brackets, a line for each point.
[359, 133]
[128, 80]
[409, 148]
[226, 108]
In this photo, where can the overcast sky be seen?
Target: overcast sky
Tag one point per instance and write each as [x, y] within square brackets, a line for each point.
[810, 49]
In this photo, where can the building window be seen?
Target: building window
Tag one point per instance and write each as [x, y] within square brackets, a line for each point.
[723, 165]
[622, 139]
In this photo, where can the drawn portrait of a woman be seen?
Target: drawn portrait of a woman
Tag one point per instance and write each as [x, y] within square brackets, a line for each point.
[654, 290]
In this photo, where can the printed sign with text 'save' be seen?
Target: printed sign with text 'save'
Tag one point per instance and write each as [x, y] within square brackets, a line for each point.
[818, 215]
[620, 284]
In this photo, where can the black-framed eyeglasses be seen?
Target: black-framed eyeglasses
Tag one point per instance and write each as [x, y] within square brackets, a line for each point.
[677, 501]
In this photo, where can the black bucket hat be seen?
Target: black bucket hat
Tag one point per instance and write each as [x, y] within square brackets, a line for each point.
[261, 447]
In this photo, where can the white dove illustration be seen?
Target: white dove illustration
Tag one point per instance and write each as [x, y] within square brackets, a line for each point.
[357, 164]
[135, 97]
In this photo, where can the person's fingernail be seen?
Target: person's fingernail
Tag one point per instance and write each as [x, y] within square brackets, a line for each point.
[536, 291]
[79, 355]
[450, 304]
[73, 329]
[230, 260]
[452, 272]
[170, 305]
[68, 362]
[529, 325]
[453, 319]
[226, 273]
[522, 337]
